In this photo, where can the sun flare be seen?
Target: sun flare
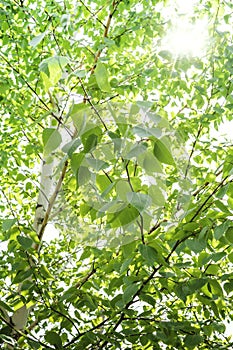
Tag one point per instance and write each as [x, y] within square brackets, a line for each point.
[186, 39]
[185, 36]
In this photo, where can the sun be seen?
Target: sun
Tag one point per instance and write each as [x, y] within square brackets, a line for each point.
[186, 36]
[187, 39]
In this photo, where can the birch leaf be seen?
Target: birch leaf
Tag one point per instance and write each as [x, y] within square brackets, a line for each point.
[101, 75]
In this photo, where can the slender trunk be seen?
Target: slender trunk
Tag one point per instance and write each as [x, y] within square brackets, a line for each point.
[50, 183]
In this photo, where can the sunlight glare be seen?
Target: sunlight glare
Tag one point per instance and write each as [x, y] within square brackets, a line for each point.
[185, 6]
[186, 39]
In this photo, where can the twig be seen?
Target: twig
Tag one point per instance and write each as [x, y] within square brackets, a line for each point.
[106, 31]
[91, 104]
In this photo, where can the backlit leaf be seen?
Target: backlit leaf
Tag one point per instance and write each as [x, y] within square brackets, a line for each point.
[162, 152]
[101, 75]
[138, 200]
[37, 39]
[51, 140]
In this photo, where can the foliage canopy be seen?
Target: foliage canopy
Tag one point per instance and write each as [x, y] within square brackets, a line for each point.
[145, 248]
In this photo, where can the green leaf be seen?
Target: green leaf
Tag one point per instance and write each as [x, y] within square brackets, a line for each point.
[165, 54]
[45, 272]
[22, 276]
[129, 292]
[71, 146]
[80, 73]
[76, 161]
[97, 164]
[90, 143]
[84, 209]
[212, 269]
[230, 257]
[190, 226]
[135, 151]
[138, 200]
[191, 341]
[196, 284]
[46, 81]
[220, 230]
[37, 39]
[51, 140]
[83, 176]
[148, 299]
[53, 65]
[156, 195]
[146, 132]
[162, 153]
[149, 254]
[228, 286]
[78, 113]
[222, 207]
[101, 75]
[149, 163]
[195, 244]
[4, 306]
[25, 242]
[33, 344]
[216, 289]
[7, 224]
[122, 188]
[125, 265]
[54, 339]
[51, 69]
[229, 234]
[75, 111]
[182, 291]
[123, 217]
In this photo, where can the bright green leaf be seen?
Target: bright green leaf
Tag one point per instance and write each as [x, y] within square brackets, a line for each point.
[123, 217]
[162, 152]
[51, 140]
[101, 75]
[37, 39]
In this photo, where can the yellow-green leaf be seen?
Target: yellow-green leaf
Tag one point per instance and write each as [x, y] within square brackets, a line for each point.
[162, 152]
[101, 75]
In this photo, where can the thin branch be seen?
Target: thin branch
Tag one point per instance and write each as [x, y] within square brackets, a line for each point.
[47, 303]
[155, 270]
[106, 31]
[221, 184]
[128, 176]
[91, 104]
[193, 149]
[30, 87]
[22, 334]
[86, 278]
[93, 14]
[156, 226]
[140, 224]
